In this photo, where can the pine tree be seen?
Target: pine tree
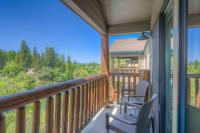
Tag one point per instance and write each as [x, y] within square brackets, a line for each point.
[36, 60]
[69, 68]
[60, 62]
[3, 59]
[25, 55]
[50, 57]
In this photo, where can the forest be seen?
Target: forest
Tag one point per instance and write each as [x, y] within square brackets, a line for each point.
[27, 68]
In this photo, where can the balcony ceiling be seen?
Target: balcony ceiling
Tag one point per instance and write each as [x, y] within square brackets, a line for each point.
[194, 13]
[126, 11]
[114, 16]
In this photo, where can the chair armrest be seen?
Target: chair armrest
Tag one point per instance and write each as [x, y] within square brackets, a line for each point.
[120, 120]
[133, 104]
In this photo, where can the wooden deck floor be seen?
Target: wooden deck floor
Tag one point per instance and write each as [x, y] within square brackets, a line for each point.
[98, 123]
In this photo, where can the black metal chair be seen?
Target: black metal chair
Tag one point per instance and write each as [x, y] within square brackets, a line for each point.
[125, 123]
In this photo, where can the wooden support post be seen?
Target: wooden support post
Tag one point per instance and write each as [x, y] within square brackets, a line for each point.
[2, 123]
[105, 63]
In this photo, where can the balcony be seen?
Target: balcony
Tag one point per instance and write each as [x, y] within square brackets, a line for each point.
[71, 106]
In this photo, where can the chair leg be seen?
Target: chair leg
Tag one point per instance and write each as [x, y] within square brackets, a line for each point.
[107, 123]
[152, 123]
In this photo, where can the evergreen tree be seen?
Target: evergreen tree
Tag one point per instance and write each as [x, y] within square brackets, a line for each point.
[25, 55]
[60, 62]
[69, 68]
[11, 55]
[50, 57]
[36, 60]
[3, 59]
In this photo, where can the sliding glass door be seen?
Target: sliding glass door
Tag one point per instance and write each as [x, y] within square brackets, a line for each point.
[193, 68]
[169, 46]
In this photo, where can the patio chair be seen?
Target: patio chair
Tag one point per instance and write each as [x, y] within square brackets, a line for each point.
[141, 94]
[125, 123]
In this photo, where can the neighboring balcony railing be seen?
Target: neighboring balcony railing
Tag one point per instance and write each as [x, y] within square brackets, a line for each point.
[125, 70]
[193, 89]
[126, 80]
[69, 105]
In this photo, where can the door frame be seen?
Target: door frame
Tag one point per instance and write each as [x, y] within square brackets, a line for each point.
[181, 15]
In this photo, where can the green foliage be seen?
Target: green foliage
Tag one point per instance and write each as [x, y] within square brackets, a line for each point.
[12, 68]
[24, 70]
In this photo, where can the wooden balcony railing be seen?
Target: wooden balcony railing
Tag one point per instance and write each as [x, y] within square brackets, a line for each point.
[125, 70]
[121, 81]
[69, 105]
[193, 89]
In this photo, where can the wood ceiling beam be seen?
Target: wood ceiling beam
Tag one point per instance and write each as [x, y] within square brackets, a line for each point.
[90, 11]
[194, 20]
[133, 27]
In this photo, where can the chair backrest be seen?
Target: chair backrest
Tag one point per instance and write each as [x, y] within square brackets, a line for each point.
[143, 117]
[142, 87]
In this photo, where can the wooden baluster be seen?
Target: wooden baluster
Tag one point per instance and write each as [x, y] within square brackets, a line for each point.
[93, 97]
[65, 112]
[123, 85]
[85, 103]
[81, 106]
[100, 93]
[2, 123]
[134, 81]
[96, 96]
[90, 91]
[49, 115]
[188, 91]
[113, 88]
[76, 109]
[88, 102]
[102, 96]
[129, 84]
[71, 120]
[36, 117]
[106, 91]
[118, 89]
[20, 120]
[196, 89]
[57, 113]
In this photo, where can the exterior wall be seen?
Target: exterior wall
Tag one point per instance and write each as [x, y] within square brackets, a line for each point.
[155, 80]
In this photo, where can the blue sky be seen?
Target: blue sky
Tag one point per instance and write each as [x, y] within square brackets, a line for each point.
[45, 23]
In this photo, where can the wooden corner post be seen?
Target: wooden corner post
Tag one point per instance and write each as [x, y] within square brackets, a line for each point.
[105, 63]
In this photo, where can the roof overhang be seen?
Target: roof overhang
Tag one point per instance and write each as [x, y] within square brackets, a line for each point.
[114, 16]
[126, 54]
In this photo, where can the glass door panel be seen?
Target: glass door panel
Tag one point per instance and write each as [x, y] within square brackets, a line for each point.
[168, 70]
[193, 68]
